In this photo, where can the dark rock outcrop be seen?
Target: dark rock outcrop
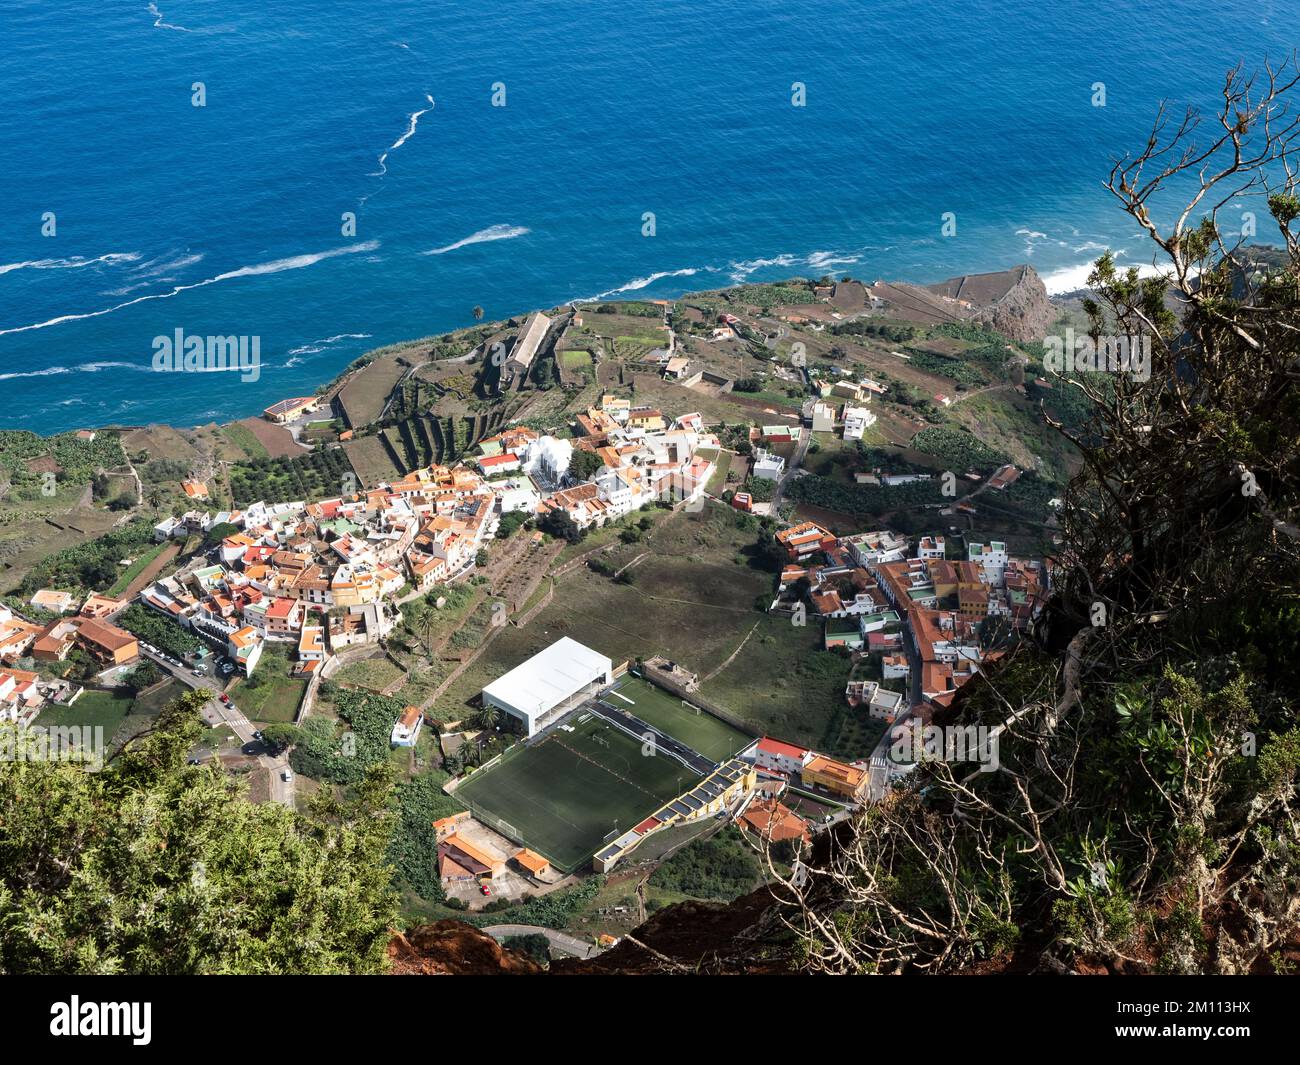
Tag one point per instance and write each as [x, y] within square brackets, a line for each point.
[1014, 302]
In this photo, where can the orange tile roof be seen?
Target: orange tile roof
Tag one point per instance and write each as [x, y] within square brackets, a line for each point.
[532, 861]
[104, 635]
[470, 851]
[775, 821]
[829, 767]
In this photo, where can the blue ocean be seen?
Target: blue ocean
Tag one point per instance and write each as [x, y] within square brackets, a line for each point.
[194, 164]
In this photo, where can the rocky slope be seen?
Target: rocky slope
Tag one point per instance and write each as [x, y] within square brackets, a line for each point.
[691, 937]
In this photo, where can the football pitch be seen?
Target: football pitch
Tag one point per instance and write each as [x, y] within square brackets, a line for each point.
[699, 730]
[564, 796]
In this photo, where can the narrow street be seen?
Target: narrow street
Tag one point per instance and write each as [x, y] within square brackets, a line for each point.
[281, 790]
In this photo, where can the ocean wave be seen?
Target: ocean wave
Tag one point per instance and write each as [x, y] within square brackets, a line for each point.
[73, 263]
[498, 232]
[294, 262]
[819, 261]
[412, 121]
[159, 24]
[740, 271]
[128, 289]
[824, 260]
[320, 345]
[85, 367]
[639, 283]
[156, 271]
[1072, 278]
[166, 264]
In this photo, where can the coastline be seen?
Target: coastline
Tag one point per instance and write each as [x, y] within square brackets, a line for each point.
[265, 397]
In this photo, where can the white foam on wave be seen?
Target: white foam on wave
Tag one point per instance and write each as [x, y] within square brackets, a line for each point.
[127, 289]
[74, 262]
[294, 262]
[85, 367]
[824, 260]
[412, 122]
[320, 345]
[741, 270]
[156, 272]
[498, 232]
[1073, 278]
[161, 25]
[638, 283]
[818, 261]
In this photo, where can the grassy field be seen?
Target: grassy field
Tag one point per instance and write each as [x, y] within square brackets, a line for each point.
[132, 571]
[276, 695]
[363, 397]
[784, 685]
[698, 729]
[93, 708]
[242, 437]
[375, 674]
[692, 600]
[119, 715]
[565, 795]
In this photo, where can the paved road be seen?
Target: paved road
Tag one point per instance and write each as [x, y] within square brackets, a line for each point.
[561, 941]
[281, 790]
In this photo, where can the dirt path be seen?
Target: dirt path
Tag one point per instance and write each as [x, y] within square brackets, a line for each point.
[624, 569]
[145, 577]
[732, 657]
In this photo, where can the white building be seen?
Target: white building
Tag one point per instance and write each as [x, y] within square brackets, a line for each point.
[894, 667]
[780, 757]
[406, 730]
[930, 547]
[518, 495]
[768, 466]
[549, 684]
[991, 558]
[856, 422]
[871, 548]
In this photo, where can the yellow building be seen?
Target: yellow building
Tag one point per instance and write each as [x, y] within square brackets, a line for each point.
[836, 777]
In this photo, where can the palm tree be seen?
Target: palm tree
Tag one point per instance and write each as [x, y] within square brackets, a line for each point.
[487, 717]
[428, 624]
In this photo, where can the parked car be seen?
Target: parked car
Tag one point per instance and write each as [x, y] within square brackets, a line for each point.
[197, 673]
[225, 698]
[484, 889]
[287, 775]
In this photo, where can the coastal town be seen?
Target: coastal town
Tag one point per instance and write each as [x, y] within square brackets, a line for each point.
[468, 513]
[574, 760]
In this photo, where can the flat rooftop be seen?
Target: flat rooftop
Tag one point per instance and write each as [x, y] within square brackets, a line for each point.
[549, 677]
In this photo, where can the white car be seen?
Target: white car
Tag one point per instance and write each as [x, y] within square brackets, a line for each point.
[286, 775]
